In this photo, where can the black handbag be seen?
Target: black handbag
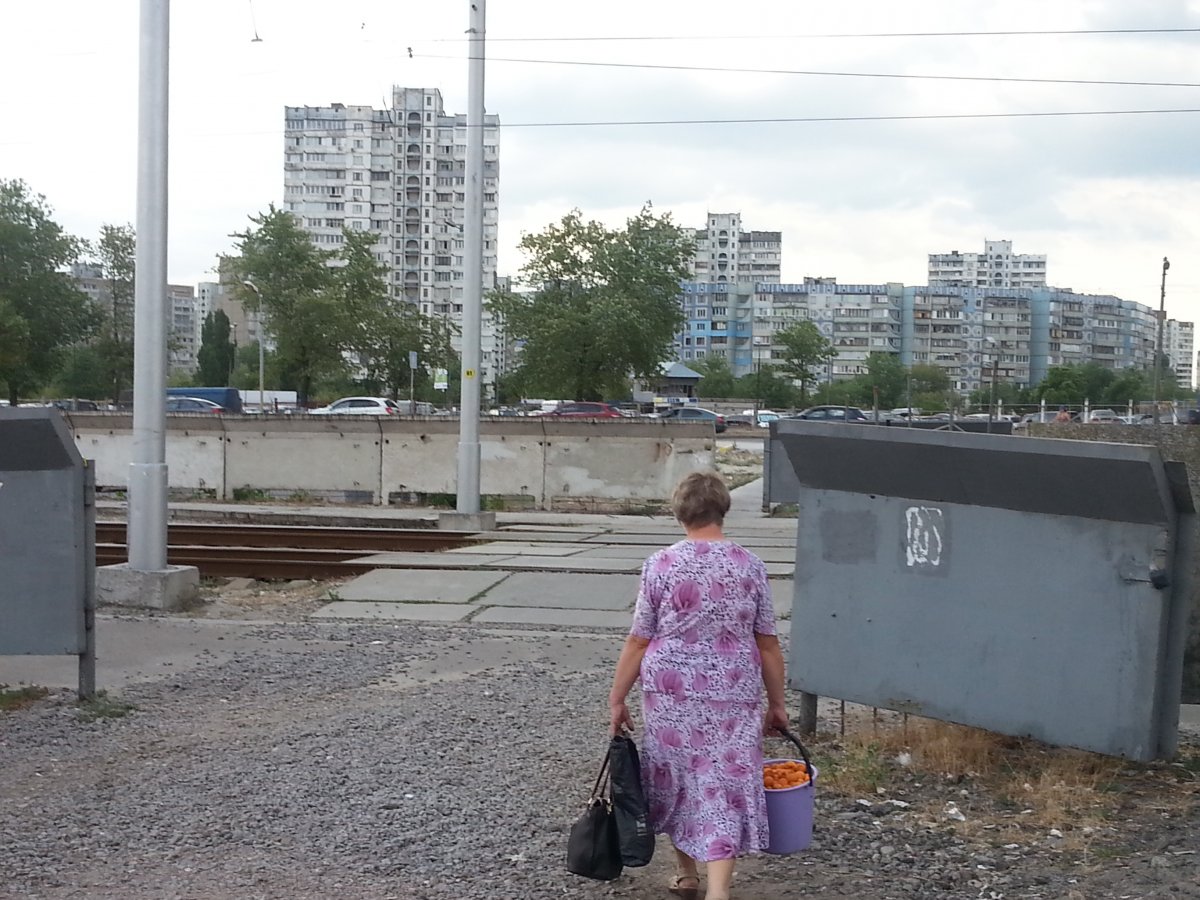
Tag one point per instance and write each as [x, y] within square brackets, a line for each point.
[634, 834]
[593, 850]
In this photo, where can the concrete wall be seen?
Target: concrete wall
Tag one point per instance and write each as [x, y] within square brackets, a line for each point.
[547, 463]
[1178, 443]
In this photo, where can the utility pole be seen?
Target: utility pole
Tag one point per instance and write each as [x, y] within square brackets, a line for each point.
[1158, 353]
[472, 323]
[148, 470]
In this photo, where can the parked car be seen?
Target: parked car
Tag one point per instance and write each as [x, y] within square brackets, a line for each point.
[229, 399]
[832, 414]
[359, 406]
[1038, 418]
[694, 414]
[586, 410]
[766, 417]
[193, 405]
[1104, 416]
[1193, 417]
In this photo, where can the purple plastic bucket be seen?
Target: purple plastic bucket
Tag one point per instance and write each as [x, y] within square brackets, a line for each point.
[790, 814]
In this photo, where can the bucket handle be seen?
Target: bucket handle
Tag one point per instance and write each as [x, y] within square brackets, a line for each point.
[799, 746]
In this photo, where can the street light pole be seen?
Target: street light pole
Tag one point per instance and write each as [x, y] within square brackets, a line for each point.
[261, 356]
[1162, 315]
[472, 324]
[148, 470]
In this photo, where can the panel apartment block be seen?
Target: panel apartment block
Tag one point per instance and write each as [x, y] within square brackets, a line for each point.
[966, 331]
[996, 267]
[399, 173]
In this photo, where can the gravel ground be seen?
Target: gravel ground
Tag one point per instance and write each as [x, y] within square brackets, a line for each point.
[423, 762]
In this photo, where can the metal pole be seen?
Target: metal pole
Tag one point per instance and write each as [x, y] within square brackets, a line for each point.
[472, 323]
[258, 318]
[87, 659]
[992, 401]
[148, 471]
[1162, 315]
[262, 338]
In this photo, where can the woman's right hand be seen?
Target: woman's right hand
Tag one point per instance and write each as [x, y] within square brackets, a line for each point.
[619, 718]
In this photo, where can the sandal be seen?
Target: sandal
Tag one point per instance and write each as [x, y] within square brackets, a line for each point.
[692, 892]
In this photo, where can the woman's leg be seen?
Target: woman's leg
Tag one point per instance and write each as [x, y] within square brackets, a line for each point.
[686, 882]
[720, 876]
[684, 864]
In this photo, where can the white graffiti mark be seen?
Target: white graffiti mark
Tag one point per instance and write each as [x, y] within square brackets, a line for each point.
[923, 543]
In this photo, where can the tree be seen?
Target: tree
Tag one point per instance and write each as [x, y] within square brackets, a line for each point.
[311, 327]
[887, 375]
[41, 310]
[605, 304]
[1129, 384]
[717, 381]
[14, 337]
[216, 354]
[115, 254]
[384, 330]
[931, 388]
[771, 389]
[805, 349]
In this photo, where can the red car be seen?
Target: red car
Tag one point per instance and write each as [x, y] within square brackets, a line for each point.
[587, 411]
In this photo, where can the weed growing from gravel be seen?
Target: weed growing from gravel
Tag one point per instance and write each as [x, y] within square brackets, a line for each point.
[1008, 789]
[12, 699]
[104, 706]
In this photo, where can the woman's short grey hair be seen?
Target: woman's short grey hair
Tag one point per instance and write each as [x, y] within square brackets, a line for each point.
[701, 498]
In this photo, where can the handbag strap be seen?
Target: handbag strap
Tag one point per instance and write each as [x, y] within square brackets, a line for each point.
[598, 790]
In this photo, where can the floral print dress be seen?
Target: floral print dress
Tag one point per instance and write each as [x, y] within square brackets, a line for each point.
[700, 604]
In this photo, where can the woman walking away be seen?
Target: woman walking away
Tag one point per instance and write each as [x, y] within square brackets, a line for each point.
[703, 641]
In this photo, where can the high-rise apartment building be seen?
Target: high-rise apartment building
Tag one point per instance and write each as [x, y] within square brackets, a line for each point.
[182, 330]
[967, 332]
[725, 254]
[183, 347]
[996, 267]
[400, 174]
[1179, 341]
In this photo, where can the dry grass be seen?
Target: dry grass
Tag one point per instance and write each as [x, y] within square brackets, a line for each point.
[1007, 788]
[12, 699]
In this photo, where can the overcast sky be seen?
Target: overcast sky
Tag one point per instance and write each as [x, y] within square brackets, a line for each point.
[1105, 197]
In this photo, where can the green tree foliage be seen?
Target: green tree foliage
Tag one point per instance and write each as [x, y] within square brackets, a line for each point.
[14, 337]
[1072, 384]
[604, 306]
[115, 253]
[717, 381]
[41, 311]
[805, 351]
[772, 389]
[311, 327]
[216, 354]
[385, 330]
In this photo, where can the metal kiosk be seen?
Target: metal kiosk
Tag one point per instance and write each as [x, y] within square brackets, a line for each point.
[1029, 586]
[47, 542]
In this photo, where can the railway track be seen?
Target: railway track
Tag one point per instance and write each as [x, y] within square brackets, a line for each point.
[276, 551]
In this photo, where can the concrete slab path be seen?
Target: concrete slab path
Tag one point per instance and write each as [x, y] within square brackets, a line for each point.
[426, 586]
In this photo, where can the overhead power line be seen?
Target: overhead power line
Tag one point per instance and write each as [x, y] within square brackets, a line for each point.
[780, 120]
[821, 72]
[1082, 32]
[817, 119]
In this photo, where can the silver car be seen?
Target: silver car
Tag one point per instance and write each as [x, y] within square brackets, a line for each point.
[359, 406]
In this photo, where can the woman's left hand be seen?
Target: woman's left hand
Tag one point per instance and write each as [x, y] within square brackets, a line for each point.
[775, 718]
[619, 718]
